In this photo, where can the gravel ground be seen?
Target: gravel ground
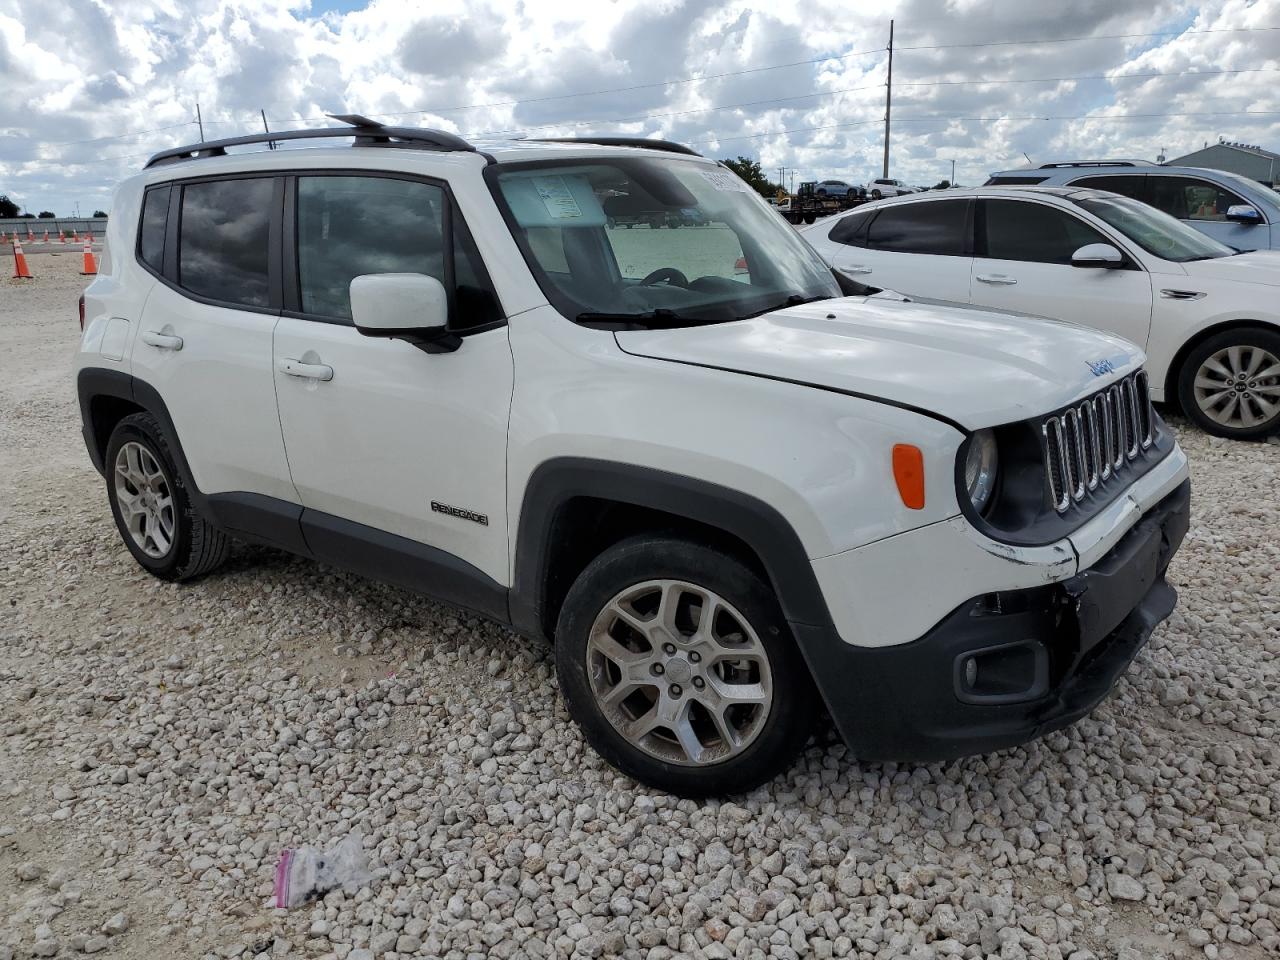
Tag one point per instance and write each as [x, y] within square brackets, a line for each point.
[160, 744]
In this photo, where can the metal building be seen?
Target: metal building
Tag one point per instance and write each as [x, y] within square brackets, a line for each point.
[1242, 158]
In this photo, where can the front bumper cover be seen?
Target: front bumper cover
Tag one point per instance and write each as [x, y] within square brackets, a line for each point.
[1042, 657]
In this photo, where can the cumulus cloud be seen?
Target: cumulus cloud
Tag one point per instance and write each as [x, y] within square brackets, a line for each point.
[798, 86]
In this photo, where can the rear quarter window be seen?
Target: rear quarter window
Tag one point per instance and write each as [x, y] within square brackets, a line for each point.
[154, 224]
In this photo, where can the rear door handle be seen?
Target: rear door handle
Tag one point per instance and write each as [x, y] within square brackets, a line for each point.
[998, 279]
[305, 371]
[161, 341]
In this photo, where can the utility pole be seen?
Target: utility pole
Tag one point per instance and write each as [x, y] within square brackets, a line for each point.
[953, 173]
[200, 123]
[888, 104]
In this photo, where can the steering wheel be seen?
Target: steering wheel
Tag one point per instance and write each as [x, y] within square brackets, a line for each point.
[667, 274]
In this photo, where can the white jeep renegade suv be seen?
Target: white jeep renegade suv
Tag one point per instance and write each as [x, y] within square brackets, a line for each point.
[728, 494]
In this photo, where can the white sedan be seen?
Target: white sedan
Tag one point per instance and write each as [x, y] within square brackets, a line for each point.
[1207, 315]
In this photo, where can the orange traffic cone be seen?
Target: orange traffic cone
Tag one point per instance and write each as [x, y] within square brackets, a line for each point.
[62, 237]
[20, 269]
[74, 238]
[90, 265]
[46, 237]
[31, 237]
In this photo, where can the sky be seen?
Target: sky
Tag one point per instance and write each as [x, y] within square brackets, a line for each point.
[90, 88]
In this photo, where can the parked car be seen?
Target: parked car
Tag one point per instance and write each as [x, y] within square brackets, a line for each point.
[838, 188]
[877, 189]
[1209, 317]
[714, 483]
[1235, 210]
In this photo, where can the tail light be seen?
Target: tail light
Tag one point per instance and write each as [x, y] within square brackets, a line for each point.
[82, 313]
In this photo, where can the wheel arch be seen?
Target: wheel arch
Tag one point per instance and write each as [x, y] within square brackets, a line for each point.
[1213, 329]
[573, 508]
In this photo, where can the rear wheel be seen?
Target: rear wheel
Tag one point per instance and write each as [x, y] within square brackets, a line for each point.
[876, 194]
[1229, 384]
[152, 508]
[676, 662]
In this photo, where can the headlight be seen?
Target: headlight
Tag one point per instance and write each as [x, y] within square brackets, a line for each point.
[980, 467]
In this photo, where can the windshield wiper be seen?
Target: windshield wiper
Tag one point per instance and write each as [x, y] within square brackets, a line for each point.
[659, 319]
[792, 301]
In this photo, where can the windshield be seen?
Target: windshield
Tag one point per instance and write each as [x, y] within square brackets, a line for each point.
[1155, 231]
[658, 241]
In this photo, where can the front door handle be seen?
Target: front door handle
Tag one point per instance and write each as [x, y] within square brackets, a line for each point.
[999, 279]
[305, 371]
[856, 270]
[161, 341]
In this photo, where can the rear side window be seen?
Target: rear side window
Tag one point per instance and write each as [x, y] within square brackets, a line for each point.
[931, 227]
[1025, 180]
[1034, 232]
[851, 230]
[1125, 186]
[155, 220]
[352, 226]
[225, 234]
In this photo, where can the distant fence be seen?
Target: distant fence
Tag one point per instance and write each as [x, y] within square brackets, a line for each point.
[66, 224]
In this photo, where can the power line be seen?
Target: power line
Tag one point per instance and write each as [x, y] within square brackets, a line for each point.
[1107, 36]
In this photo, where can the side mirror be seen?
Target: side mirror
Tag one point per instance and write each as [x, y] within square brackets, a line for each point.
[404, 306]
[1243, 213]
[1097, 255]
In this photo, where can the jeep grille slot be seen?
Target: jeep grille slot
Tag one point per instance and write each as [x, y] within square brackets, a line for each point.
[1089, 443]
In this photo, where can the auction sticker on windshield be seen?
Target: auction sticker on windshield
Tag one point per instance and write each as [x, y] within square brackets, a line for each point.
[724, 181]
[556, 197]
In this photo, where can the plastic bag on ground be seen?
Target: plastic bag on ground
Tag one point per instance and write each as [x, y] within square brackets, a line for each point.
[307, 873]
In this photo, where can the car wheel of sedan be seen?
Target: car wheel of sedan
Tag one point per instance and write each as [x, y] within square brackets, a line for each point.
[876, 194]
[1229, 384]
[678, 665]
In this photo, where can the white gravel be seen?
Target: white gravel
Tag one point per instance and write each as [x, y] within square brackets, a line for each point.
[159, 746]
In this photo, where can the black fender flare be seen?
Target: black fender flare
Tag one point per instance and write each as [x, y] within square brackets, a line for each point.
[554, 483]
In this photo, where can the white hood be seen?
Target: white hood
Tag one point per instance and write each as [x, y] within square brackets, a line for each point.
[1257, 266]
[973, 367]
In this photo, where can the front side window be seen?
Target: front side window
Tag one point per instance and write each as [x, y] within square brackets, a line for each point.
[1155, 232]
[1033, 232]
[155, 222]
[1190, 198]
[222, 250]
[349, 226]
[655, 241]
[936, 227]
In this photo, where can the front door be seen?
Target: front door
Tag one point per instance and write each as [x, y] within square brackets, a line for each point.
[378, 432]
[1022, 262]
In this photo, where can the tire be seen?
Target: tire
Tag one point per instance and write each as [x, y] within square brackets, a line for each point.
[876, 195]
[632, 576]
[136, 452]
[810, 217]
[1246, 359]
[821, 193]
[851, 195]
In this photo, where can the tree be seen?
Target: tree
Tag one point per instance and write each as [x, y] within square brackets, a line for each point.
[47, 215]
[943, 185]
[99, 214]
[7, 207]
[750, 171]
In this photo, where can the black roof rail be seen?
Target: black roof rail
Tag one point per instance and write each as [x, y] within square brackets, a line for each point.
[667, 145]
[367, 133]
[1097, 163]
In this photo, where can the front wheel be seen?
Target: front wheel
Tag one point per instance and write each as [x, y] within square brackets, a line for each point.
[153, 511]
[1229, 384]
[876, 194]
[678, 666]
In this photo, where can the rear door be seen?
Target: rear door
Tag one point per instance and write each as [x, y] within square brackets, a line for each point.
[919, 248]
[1022, 262]
[204, 341]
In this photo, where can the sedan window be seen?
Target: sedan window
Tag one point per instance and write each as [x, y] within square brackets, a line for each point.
[936, 227]
[1035, 232]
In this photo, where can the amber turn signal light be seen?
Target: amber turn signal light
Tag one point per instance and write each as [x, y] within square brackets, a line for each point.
[908, 473]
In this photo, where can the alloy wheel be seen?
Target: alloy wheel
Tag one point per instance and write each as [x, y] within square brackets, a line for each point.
[1239, 386]
[679, 672]
[145, 499]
